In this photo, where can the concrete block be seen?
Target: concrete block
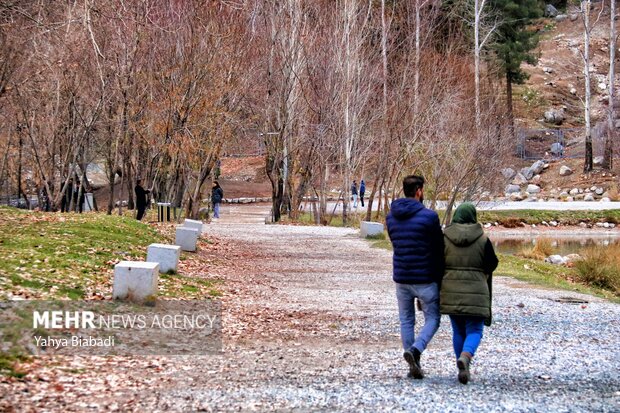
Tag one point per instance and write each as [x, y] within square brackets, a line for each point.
[167, 256]
[135, 280]
[368, 228]
[187, 238]
[191, 223]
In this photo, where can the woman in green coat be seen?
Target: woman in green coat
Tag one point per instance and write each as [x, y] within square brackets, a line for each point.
[466, 287]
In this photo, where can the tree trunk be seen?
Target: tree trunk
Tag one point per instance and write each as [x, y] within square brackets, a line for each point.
[111, 176]
[129, 182]
[477, 61]
[608, 156]
[588, 162]
[20, 189]
[509, 103]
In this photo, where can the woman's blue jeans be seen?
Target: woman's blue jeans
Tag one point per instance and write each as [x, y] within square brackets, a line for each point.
[466, 333]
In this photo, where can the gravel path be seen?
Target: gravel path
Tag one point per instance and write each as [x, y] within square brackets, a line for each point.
[311, 324]
[544, 352]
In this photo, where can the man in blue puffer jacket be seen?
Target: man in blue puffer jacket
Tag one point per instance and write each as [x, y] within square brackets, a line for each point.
[418, 262]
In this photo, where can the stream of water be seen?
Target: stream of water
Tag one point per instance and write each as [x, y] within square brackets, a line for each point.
[563, 244]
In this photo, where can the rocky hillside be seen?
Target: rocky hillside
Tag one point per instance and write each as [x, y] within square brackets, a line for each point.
[560, 180]
[556, 83]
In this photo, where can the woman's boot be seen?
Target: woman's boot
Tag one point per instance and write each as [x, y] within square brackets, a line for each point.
[463, 365]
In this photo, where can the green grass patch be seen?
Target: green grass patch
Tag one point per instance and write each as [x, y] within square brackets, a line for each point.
[190, 288]
[72, 256]
[378, 237]
[9, 364]
[512, 219]
[54, 255]
[333, 220]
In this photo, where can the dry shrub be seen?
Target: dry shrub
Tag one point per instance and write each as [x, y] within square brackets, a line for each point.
[600, 267]
[511, 222]
[613, 192]
[541, 250]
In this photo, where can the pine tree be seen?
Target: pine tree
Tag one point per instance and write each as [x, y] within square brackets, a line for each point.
[515, 42]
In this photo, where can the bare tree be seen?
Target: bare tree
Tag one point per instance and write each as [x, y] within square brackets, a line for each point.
[482, 33]
[354, 62]
[588, 26]
[608, 155]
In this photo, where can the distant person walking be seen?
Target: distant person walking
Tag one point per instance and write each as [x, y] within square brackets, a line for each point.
[362, 191]
[418, 267]
[354, 193]
[466, 290]
[217, 195]
[141, 199]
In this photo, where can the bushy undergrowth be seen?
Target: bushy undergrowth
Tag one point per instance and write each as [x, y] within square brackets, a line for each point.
[541, 250]
[600, 267]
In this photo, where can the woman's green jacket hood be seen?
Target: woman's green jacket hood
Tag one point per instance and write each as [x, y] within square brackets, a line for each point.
[465, 214]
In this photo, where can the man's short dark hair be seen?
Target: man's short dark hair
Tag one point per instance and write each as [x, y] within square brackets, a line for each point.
[411, 184]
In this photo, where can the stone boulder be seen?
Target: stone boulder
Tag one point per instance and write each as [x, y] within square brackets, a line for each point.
[561, 17]
[537, 167]
[557, 149]
[519, 179]
[598, 160]
[556, 259]
[565, 170]
[551, 11]
[554, 116]
[508, 173]
[588, 198]
[527, 173]
[574, 191]
[512, 189]
[533, 189]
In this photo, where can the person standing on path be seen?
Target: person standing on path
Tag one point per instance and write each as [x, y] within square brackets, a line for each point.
[467, 284]
[354, 193]
[217, 194]
[362, 191]
[140, 199]
[418, 246]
